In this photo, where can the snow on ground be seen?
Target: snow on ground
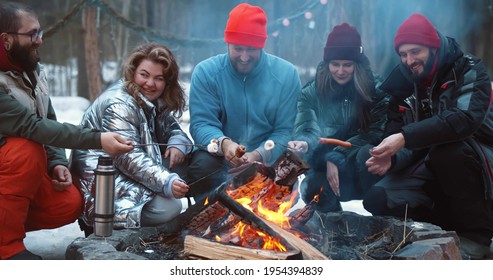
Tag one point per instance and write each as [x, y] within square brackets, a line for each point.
[51, 244]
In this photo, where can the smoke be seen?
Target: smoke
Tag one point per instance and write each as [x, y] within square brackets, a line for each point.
[378, 21]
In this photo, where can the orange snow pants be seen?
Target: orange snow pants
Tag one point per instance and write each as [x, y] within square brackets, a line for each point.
[27, 199]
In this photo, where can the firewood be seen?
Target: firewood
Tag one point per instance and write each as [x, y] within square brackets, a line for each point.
[200, 222]
[303, 215]
[221, 225]
[206, 249]
[308, 251]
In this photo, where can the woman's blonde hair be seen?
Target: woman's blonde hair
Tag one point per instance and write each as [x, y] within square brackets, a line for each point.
[173, 95]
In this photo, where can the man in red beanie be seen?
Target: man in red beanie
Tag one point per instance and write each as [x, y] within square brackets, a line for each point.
[36, 190]
[438, 156]
[240, 98]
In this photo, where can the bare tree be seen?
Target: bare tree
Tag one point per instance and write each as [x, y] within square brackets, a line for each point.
[91, 46]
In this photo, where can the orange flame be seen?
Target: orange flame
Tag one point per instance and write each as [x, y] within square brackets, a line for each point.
[206, 202]
[278, 216]
[271, 205]
[266, 199]
[245, 202]
[249, 235]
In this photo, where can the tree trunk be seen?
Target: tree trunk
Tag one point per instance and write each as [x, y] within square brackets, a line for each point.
[91, 47]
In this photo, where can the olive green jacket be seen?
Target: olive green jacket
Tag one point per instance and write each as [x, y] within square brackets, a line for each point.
[29, 114]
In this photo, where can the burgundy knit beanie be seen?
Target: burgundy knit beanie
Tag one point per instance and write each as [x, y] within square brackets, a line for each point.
[246, 26]
[343, 43]
[417, 30]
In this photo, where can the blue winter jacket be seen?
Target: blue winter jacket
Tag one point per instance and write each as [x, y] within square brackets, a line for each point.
[248, 109]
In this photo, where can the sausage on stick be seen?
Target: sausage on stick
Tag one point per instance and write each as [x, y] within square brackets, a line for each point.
[333, 141]
[240, 151]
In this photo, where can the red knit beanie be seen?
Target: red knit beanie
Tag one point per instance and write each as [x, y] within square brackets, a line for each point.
[417, 30]
[246, 26]
[343, 43]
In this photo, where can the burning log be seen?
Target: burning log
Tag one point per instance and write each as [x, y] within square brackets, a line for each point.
[222, 225]
[261, 188]
[288, 167]
[206, 249]
[201, 222]
[308, 251]
[305, 213]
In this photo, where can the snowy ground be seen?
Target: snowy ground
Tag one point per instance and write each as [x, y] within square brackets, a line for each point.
[51, 244]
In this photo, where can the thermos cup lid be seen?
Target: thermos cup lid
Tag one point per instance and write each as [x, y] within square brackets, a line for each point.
[105, 160]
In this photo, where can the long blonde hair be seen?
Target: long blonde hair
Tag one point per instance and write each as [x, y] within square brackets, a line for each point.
[173, 95]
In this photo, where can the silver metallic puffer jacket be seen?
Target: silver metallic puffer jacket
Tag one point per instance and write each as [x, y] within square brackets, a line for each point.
[140, 173]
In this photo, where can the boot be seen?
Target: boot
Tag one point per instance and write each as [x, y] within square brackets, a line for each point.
[25, 255]
[88, 230]
[471, 250]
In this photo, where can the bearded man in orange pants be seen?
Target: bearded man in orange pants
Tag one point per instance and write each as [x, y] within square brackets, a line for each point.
[36, 190]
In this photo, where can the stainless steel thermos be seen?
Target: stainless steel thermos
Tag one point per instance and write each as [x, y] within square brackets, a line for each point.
[104, 201]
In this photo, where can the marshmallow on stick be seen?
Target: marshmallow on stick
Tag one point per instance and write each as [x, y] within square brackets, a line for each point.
[213, 147]
[269, 145]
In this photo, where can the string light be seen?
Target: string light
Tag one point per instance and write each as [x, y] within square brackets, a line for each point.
[152, 35]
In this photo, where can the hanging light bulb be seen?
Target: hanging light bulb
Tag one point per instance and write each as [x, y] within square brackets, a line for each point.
[311, 24]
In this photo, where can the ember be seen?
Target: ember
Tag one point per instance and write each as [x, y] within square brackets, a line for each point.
[265, 198]
[219, 224]
[244, 235]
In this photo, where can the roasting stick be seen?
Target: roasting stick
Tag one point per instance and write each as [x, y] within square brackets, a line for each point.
[163, 144]
[240, 151]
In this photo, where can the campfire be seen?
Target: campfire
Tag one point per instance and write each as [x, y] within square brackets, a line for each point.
[250, 216]
[245, 218]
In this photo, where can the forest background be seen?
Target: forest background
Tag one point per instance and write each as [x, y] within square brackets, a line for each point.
[86, 41]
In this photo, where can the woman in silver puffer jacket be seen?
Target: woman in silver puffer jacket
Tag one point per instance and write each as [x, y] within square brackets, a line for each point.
[142, 107]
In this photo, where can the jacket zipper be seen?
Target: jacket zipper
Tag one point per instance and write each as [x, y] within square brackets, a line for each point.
[247, 107]
[346, 110]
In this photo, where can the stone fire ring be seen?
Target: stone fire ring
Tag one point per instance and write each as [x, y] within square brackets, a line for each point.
[424, 241]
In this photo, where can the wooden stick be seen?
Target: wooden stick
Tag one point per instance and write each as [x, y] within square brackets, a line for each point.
[163, 144]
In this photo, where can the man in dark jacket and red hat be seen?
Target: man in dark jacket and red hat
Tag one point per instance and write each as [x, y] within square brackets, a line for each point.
[438, 153]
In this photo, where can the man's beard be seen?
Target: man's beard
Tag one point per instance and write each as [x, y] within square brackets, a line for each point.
[24, 57]
[418, 77]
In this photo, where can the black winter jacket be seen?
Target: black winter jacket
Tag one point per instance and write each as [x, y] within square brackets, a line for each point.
[460, 98]
[337, 118]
